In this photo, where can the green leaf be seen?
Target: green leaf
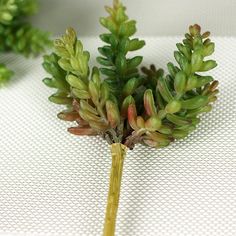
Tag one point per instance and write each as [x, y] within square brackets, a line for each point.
[106, 51]
[208, 65]
[114, 41]
[121, 63]
[153, 123]
[172, 69]
[127, 28]
[173, 107]
[180, 134]
[195, 102]
[50, 83]
[184, 65]
[89, 116]
[177, 120]
[76, 82]
[208, 49]
[109, 24]
[180, 82]
[136, 44]
[94, 92]
[96, 77]
[164, 129]
[120, 15]
[107, 72]
[192, 82]
[164, 90]
[196, 61]
[177, 56]
[113, 114]
[61, 100]
[185, 50]
[105, 37]
[85, 106]
[149, 103]
[203, 80]
[195, 112]
[130, 87]
[100, 126]
[104, 93]
[135, 61]
[81, 94]
[124, 45]
[103, 61]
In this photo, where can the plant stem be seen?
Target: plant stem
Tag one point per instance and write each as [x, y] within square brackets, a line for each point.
[118, 152]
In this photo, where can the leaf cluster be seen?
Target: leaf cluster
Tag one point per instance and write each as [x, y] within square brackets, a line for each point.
[120, 70]
[119, 102]
[16, 34]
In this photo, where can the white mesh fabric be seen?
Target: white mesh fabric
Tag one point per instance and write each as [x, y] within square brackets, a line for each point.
[54, 183]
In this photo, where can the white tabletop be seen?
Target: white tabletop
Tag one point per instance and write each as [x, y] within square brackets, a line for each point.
[54, 183]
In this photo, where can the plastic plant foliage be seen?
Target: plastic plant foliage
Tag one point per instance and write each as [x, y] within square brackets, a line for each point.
[126, 106]
[16, 33]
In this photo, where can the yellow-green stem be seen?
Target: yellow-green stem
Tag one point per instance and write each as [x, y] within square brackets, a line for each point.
[118, 152]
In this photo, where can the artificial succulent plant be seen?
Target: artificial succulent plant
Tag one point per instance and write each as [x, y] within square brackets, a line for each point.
[17, 34]
[127, 106]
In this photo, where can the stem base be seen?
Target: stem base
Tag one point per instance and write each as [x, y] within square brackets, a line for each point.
[118, 152]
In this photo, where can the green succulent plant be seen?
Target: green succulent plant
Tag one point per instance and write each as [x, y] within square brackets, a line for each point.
[123, 105]
[5, 74]
[17, 34]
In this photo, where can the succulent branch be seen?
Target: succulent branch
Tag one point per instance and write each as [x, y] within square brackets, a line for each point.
[85, 94]
[124, 106]
[120, 71]
[172, 109]
[16, 34]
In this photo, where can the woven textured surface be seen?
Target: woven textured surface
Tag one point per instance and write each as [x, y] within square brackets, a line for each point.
[54, 183]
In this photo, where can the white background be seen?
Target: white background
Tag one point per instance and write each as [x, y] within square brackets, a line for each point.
[155, 17]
